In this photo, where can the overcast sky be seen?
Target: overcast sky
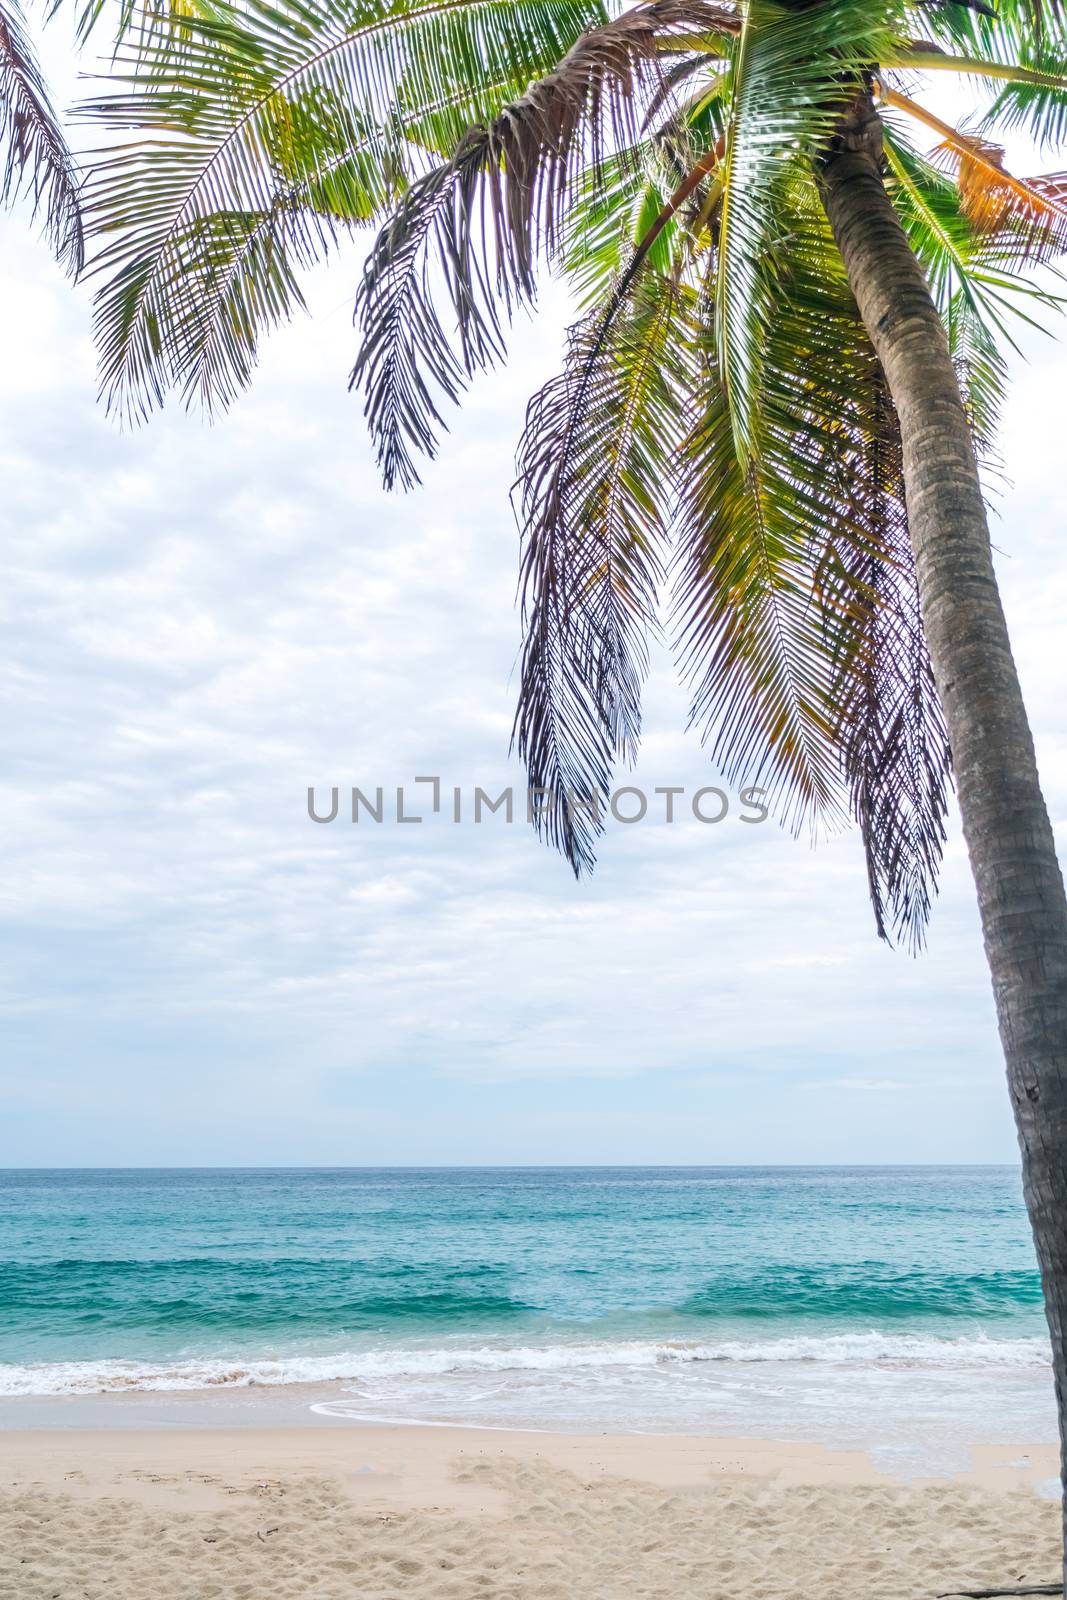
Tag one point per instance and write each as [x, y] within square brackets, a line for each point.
[199, 622]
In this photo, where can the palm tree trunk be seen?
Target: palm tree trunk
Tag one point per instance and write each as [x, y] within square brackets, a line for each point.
[1005, 823]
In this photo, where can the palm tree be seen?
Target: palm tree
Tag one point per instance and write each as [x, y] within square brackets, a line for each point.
[788, 366]
[33, 151]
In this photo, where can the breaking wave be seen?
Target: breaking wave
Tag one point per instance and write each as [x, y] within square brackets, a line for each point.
[860, 1350]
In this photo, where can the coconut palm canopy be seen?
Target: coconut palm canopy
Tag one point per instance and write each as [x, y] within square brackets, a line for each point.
[721, 444]
[34, 158]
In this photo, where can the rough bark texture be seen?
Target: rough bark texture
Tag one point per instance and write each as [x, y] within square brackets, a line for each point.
[1005, 823]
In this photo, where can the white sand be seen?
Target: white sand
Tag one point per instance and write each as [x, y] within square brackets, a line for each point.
[348, 1513]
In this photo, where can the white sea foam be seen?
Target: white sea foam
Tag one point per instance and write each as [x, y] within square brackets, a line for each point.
[384, 1365]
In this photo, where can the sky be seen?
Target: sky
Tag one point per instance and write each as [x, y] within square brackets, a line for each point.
[199, 622]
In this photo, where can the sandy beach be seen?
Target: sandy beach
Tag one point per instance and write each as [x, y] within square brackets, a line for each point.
[225, 1513]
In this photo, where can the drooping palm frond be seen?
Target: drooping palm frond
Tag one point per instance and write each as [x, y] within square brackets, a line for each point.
[595, 476]
[886, 715]
[796, 606]
[979, 25]
[756, 624]
[1026, 219]
[889, 721]
[749, 635]
[1036, 101]
[595, 471]
[485, 216]
[33, 151]
[250, 135]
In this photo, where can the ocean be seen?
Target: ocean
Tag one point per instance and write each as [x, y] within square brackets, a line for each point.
[890, 1308]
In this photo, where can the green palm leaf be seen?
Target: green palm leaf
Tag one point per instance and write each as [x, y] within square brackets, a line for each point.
[975, 299]
[794, 70]
[618, 204]
[797, 621]
[749, 635]
[260, 132]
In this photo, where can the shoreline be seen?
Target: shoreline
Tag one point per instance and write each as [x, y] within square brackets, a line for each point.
[899, 1447]
[400, 1462]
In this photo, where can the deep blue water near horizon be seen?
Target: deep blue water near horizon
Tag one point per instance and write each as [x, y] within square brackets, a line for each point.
[645, 1297]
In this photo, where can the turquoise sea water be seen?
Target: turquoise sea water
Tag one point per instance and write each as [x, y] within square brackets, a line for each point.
[697, 1298]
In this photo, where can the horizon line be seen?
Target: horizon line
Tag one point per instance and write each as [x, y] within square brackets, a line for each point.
[528, 1166]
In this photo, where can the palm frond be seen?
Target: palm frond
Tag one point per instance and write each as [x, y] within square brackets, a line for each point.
[595, 466]
[610, 212]
[1027, 220]
[1024, 62]
[141, 18]
[33, 150]
[993, 29]
[486, 215]
[595, 477]
[889, 722]
[795, 70]
[795, 602]
[749, 636]
[249, 135]
[975, 299]
[621, 204]
[1038, 107]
